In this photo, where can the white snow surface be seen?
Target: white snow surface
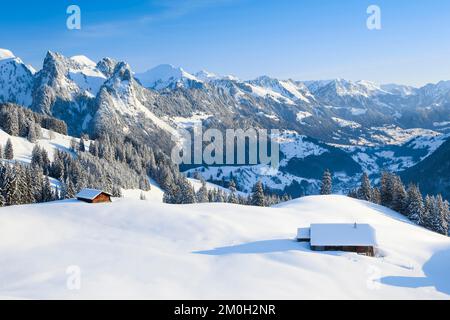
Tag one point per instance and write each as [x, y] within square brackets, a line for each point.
[141, 249]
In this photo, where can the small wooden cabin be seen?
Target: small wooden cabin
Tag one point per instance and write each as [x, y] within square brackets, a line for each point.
[93, 196]
[358, 238]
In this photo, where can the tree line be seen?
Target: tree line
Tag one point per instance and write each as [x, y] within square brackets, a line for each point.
[21, 122]
[260, 196]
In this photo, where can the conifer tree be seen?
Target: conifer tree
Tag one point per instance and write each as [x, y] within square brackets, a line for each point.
[12, 123]
[28, 192]
[435, 217]
[415, 206]
[258, 195]
[386, 190]
[9, 151]
[10, 189]
[399, 195]
[70, 189]
[47, 194]
[376, 196]
[327, 183]
[2, 199]
[440, 216]
[187, 193]
[428, 213]
[365, 192]
[32, 137]
[220, 197]
[202, 193]
[232, 198]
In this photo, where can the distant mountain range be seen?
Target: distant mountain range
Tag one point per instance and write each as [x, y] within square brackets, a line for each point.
[352, 126]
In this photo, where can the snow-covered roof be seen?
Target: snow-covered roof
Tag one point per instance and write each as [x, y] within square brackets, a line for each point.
[304, 233]
[342, 235]
[90, 194]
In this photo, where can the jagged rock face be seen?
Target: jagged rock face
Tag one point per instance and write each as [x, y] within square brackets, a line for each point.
[107, 66]
[66, 88]
[16, 80]
[124, 107]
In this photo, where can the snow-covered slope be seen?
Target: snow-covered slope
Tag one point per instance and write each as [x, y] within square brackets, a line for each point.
[49, 141]
[140, 249]
[286, 91]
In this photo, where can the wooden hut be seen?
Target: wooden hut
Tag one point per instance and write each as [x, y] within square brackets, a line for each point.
[359, 238]
[94, 196]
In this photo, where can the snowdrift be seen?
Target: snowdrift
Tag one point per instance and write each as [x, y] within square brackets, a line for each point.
[149, 250]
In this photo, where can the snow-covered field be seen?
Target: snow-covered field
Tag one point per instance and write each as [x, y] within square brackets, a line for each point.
[145, 249]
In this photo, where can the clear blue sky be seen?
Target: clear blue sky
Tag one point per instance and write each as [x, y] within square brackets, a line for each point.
[299, 39]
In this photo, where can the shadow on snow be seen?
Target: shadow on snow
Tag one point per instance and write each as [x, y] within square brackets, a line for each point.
[258, 247]
[436, 275]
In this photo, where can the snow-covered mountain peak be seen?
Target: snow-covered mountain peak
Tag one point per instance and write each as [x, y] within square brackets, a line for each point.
[206, 76]
[166, 76]
[83, 60]
[6, 54]
[341, 88]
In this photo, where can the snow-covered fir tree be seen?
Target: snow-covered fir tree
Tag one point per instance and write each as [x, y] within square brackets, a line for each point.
[415, 207]
[10, 188]
[47, 194]
[327, 183]
[232, 198]
[9, 150]
[365, 192]
[202, 193]
[399, 195]
[386, 190]
[258, 198]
